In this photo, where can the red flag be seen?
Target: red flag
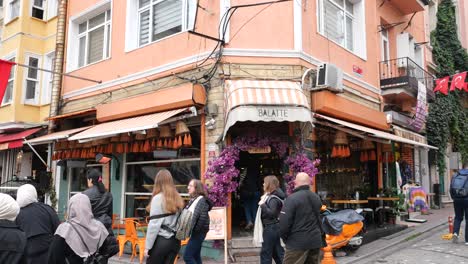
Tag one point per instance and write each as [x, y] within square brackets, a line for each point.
[458, 81]
[466, 87]
[442, 85]
[5, 68]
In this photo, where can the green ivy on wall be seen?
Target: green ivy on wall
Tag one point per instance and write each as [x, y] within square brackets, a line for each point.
[447, 120]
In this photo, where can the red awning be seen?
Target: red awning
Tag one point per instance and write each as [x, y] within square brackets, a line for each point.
[15, 140]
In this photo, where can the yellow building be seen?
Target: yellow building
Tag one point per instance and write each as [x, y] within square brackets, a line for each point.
[27, 37]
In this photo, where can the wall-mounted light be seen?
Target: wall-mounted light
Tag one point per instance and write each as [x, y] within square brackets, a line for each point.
[106, 158]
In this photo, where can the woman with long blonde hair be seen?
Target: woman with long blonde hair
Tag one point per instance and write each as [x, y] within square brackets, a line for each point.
[165, 207]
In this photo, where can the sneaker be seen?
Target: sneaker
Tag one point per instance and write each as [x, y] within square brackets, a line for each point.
[455, 238]
[466, 243]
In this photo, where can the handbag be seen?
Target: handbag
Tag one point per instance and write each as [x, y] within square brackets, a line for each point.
[96, 257]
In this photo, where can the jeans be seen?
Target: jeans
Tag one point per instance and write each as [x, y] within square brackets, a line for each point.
[250, 208]
[461, 210]
[271, 246]
[193, 249]
[164, 251]
[311, 256]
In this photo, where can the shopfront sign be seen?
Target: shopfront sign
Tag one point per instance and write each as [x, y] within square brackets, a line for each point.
[275, 114]
[259, 150]
[409, 135]
[218, 227]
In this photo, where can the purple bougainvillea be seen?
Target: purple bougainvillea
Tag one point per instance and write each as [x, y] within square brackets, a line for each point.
[222, 173]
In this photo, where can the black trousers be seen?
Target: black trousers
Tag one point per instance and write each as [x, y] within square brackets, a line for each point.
[311, 256]
[461, 210]
[164, 251]
[271, 246]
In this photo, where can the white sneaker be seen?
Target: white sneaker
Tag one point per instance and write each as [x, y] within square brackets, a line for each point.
[455, 238]
[466, 243]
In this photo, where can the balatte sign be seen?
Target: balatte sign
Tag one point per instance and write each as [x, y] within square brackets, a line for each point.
[273, 113]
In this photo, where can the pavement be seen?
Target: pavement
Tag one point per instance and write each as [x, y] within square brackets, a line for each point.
[383, 249]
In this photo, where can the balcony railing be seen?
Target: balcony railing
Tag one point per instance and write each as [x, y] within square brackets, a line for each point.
[405, 73]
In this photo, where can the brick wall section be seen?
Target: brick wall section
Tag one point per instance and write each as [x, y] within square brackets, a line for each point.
[407, 155]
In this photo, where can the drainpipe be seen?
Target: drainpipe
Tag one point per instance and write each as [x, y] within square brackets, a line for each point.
[59, 58]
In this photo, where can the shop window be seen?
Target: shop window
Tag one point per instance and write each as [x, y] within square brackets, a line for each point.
[77, 178]
[140, 180]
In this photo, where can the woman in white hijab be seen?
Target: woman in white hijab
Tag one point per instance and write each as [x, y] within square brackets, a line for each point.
[79, 237]
[12, 239]
[39, 221]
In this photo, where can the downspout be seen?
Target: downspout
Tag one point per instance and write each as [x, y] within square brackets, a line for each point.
[55, 95]
[59, 58]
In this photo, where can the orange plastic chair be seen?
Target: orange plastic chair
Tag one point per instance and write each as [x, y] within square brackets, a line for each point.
[140, 242]
[182, 243]
[129, 236]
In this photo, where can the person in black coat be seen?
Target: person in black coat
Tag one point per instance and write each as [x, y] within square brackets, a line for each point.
[80, 236]
[271, 204]
[299, 224]
[39, 222]
[200, 205]
[12, 239]
[101, 200]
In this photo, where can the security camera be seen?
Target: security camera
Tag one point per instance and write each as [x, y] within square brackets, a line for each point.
[210, 122]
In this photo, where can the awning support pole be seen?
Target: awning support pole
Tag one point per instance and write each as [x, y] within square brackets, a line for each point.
[37, 154]
[54, 72]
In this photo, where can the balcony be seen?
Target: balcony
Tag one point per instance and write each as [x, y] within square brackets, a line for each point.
[400, 78]
[409, 6]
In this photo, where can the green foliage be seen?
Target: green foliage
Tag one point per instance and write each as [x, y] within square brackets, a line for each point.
[448, 119]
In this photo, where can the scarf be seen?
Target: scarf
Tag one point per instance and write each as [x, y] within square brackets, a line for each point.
[92, 231]
[9, 208]
[26, 195]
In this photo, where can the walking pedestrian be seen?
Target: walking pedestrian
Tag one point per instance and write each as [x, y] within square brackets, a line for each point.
[299, 224]
[459, 194]
[271, 204]
[200, 205]
[101, 200]
[12, 239]
[80, 236]
[165, 206]
[249, 191]
[38, 221]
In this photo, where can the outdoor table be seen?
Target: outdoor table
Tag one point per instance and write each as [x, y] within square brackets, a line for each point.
[381, 214]
[346, 202]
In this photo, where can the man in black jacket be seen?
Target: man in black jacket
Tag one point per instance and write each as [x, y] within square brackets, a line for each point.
[299, 225]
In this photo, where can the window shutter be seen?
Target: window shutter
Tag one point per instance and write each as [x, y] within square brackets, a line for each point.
[95, 45]
[52, 8]
[144, 27]
[167, 18]
[333, 19]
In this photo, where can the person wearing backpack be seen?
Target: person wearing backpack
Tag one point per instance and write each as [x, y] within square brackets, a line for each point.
[80, 239]
[162, 246]
[459, 193]
[38, 221]
[271, 204]
[200, 205]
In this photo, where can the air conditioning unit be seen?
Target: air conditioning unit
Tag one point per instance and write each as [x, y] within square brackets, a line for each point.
[329, 77]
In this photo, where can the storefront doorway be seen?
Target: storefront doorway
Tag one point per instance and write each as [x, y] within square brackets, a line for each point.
[253, 166]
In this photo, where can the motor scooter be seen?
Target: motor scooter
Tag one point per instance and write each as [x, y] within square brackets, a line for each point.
[349, 238]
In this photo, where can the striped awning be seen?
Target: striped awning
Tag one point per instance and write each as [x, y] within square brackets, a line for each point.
[55, 136]
[257, 100]
[113, 128]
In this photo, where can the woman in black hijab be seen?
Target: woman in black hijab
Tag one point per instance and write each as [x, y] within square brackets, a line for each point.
[101, 200]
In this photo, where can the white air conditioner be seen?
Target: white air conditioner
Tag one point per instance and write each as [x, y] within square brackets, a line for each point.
[329, 77]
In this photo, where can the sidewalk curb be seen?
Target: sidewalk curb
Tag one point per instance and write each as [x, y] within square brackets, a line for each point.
[403, 238]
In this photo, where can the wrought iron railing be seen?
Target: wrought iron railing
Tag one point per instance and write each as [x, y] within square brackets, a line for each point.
[404, 71]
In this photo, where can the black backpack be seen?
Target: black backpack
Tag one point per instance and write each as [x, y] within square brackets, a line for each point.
[459, 184]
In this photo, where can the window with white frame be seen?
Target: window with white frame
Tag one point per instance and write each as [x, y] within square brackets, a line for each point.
[13, 9]
[337, 21]
[44, 9]
[152, 20]
[94, 39]
[8, 97]
[32, 80]
[38, 9]
[47, 77]
[385, 45]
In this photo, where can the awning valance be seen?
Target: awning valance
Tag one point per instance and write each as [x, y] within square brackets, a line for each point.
[15, 140]
[373, 133]
[56, 136]
[254, 100]
[138, 123]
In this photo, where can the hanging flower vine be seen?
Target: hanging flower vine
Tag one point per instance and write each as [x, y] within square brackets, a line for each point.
[222, 173]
